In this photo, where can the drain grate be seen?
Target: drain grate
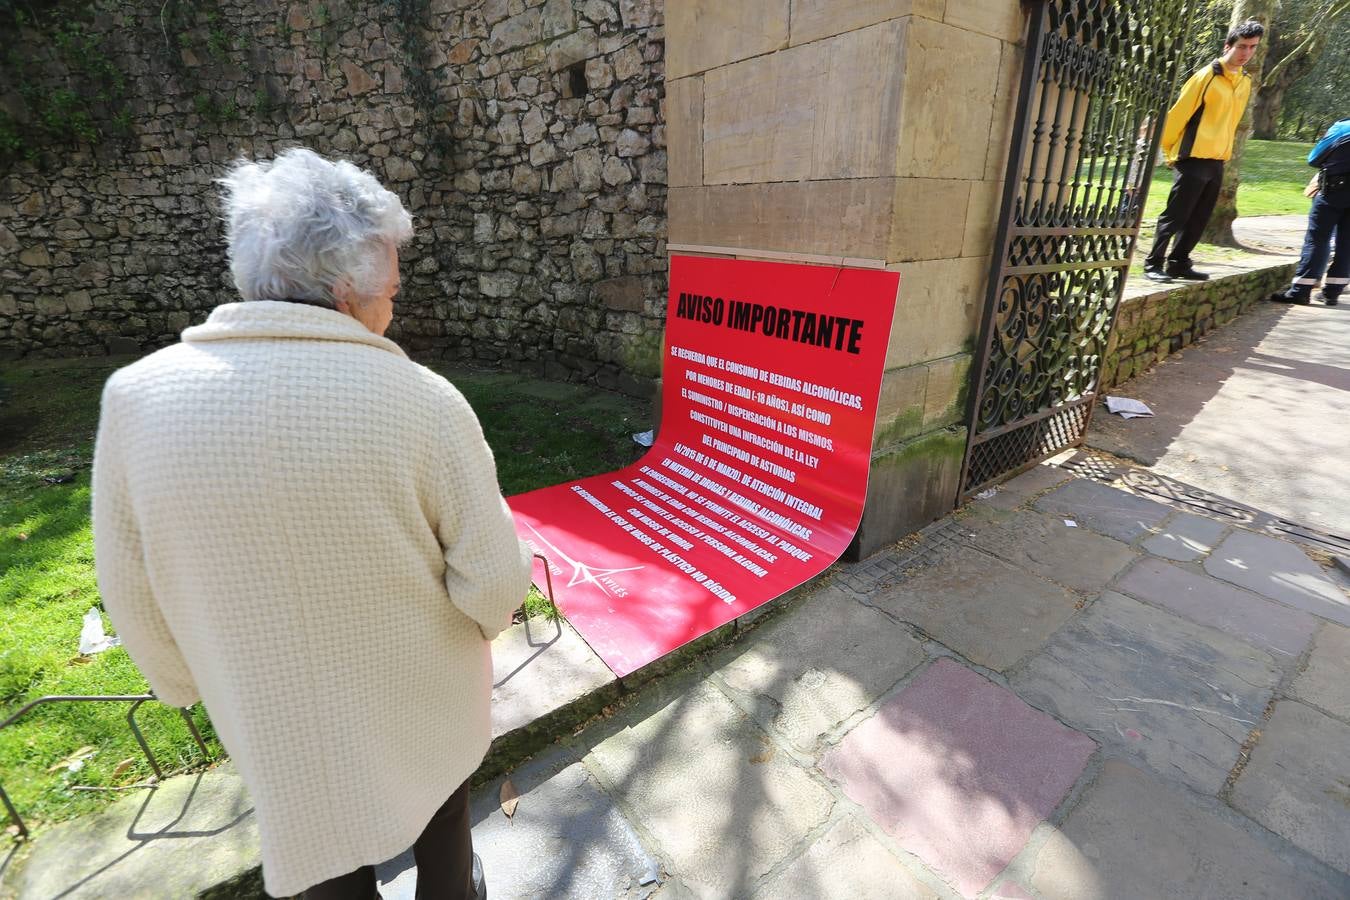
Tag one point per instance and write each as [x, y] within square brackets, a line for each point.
[925, 548]
[1145, 483]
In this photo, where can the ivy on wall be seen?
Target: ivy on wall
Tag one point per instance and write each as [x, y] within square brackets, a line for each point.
[63, 82]
[90, 103]
[411, 16]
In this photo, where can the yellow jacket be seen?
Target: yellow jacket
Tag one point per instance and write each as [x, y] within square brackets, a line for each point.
[1202, 122]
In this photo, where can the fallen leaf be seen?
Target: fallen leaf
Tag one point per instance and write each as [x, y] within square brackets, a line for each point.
[763, 756]
[510, 799]
[23, 537]
[123, 766]
[74, 761]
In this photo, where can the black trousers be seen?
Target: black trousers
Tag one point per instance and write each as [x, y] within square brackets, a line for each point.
[444, 855]
[1328, 220]
[1195, 190]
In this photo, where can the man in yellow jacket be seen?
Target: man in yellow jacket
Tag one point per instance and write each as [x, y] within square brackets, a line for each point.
[1197, 139]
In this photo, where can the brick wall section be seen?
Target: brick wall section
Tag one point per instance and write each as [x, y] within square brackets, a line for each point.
[1151, 327]
[525, 136]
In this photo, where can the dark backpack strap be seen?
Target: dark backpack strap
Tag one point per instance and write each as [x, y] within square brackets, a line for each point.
[1336, 159]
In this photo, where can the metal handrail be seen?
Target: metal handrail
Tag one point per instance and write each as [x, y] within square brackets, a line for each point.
[548, 581]
[135, 700]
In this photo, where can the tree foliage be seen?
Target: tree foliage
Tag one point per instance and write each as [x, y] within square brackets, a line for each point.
[1299, 38]
[1307, 80]
[1322, 95]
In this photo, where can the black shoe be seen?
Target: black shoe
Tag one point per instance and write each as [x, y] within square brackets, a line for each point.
[1156, 274]
[1185, 272]
[1294, 295]
[1330, 299]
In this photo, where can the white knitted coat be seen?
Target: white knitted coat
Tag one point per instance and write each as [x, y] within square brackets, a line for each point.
[302, 528]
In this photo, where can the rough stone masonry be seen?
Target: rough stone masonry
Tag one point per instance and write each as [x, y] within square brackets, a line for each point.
[525, 136]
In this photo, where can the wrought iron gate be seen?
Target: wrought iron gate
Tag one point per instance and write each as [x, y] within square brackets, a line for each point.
[1095, 83]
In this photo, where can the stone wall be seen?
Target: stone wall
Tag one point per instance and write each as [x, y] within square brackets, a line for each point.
[525, 136]
[1151, 326]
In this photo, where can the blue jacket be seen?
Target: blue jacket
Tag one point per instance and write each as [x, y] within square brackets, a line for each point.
[1332, 153]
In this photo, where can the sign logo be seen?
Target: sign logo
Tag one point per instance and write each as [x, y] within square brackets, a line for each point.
[601, 579]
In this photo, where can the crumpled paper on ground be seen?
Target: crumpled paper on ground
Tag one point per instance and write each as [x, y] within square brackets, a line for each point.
[1127, 408]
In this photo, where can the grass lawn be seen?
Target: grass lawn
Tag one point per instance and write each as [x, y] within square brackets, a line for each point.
[1274, 174]
[541, 432]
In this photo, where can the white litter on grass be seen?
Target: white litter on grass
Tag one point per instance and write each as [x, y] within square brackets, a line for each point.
[1127, 408]
[645, 438]
[1071, 523]
[986, 494]
[93, 639]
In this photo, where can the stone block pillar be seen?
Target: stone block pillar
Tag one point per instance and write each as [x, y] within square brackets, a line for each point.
[857, 132]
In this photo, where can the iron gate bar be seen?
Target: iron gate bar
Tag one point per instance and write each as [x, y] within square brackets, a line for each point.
[1011, 190]
[1066, 267]
[134, 699]
[1073, 194]
[1073, 232]
[1034, 417]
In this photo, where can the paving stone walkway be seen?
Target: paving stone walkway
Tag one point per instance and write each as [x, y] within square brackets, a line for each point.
[1262, 403]
[1069, 691]
[1062, 691]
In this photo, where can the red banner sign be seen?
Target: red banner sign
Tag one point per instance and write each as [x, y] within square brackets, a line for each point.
[757, 479]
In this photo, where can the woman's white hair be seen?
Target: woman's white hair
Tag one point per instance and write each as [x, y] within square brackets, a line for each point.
[299, 223]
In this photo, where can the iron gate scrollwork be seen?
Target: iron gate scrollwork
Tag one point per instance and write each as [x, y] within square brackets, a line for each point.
[1095, 84]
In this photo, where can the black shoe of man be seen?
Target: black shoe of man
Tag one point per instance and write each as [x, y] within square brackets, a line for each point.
[1330, 299]
[1185, 273]
[1294, 295]
[1153, 273]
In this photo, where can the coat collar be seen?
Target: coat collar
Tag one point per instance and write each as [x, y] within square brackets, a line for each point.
[262, 319]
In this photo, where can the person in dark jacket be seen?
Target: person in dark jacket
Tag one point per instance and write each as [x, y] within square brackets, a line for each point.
[1329, 216]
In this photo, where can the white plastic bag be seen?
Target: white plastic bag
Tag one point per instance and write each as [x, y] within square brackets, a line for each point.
[92, 637]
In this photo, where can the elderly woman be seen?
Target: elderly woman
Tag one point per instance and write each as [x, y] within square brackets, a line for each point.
[300, 527]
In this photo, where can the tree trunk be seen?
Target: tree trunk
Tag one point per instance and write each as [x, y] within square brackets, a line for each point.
[1220, 227]
[1266, 112]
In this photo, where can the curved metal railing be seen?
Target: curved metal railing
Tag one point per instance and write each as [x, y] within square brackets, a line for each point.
[134, 699]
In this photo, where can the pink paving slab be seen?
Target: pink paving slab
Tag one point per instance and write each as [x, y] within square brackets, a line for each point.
[959, 771]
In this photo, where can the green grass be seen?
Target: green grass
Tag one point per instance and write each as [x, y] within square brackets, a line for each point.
[545, 432]
[1274, 174]
[541, 433]
[48, 413]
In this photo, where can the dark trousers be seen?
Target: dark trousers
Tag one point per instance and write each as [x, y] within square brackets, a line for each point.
[1330, 215]
[1195, 190]
[444, 855]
